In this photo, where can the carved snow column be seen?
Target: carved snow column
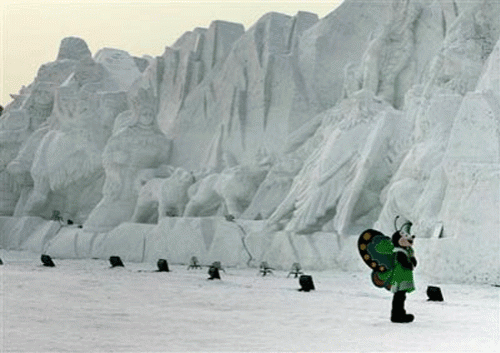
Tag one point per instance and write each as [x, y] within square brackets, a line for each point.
[13, 129]
[389, 54]
[136, 145]
[418, 188]
[190, 95]
[467, 46]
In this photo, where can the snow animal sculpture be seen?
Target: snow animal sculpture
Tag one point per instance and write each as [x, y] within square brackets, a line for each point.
[174, 193]
[148, 186]
[147, 174]
[135, 146]
[160, 197]
[146, 209]
[238, 185]
[203, 199]
[234, 189]
[392, 261]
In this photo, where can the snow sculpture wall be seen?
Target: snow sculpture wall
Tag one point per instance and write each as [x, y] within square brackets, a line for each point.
[306, 130]
[60, 157]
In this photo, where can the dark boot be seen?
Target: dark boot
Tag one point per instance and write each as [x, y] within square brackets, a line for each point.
[398, 313]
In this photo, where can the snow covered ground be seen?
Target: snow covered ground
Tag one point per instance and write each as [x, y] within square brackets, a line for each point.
[85, 306]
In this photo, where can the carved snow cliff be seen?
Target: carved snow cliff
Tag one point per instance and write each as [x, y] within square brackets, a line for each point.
[279, 143]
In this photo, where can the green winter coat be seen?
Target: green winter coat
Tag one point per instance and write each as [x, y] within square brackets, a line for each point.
[401, 277]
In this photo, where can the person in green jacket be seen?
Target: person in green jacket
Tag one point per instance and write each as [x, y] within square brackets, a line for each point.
[402, 274]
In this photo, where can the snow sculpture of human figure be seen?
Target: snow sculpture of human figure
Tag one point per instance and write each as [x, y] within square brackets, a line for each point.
[138, 144]
[64, 156]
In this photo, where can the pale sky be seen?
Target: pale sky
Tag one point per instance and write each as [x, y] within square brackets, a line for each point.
[31, 31]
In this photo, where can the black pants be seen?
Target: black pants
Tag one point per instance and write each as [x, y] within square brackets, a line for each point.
[398, 303]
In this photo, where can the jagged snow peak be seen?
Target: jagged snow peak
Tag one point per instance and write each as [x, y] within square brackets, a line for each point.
[290, 138]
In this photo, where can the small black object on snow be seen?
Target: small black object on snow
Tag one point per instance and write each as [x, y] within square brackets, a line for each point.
[162, 265]
[217, 265]
[1, 262]
[306, 283]
[47, 261]
[213, 272]
[115, 261]
[434, 294]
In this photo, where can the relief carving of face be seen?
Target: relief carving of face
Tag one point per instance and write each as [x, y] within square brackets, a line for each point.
[146, 117]
[143, 106]
[184, 176]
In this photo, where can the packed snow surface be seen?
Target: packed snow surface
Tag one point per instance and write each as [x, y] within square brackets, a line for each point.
[86, 306]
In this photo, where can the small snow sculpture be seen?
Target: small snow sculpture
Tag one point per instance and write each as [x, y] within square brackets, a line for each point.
[56, 216]
[296, 270]
[194, 263]
[265, 268]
